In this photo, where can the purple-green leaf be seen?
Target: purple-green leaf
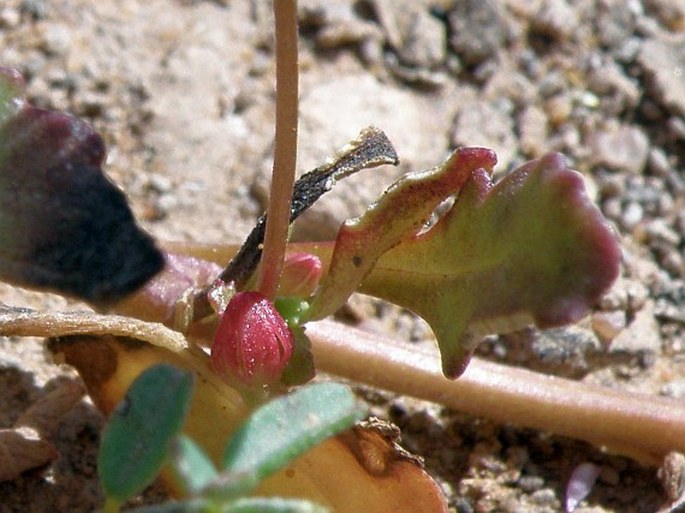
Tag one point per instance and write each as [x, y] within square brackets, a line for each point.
[530, 249]
[63, 225]
[400, 213]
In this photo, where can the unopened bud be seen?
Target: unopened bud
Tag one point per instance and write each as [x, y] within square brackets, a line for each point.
[253, 343]
[301, 275]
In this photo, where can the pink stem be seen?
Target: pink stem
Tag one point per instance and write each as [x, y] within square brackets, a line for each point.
[635, 425]
[283, 177]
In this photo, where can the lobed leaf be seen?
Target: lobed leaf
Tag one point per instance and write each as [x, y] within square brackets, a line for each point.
[63, 225]
[531, 249]
[400, 213]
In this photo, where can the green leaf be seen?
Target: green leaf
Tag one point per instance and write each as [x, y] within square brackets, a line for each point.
[191, 464]
[531, 249]
[399, 214]
[135, 442]
[288, 426]
[272, 505]
[292, 309]
[300, 368]
[64, 225]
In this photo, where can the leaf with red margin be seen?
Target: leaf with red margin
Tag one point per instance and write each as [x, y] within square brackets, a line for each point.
[400, 213]
[63, 225]
[530, 249]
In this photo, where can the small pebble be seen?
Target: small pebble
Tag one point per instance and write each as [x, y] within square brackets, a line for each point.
[9, 17]
[658, 163]
[559, 108]
[518, 456]
[159, 183]
[640, 336]
[56, 39]
[556, 19]
[544, 497]
[530, 484]
[479, 29]
[622, 147]
[632, 215]
[670, 13]
[674, 389]
[463, 505]
[660, 58]
[676, 124]
[659, 230]
[37, 9]
[607, 325]
[672, 475]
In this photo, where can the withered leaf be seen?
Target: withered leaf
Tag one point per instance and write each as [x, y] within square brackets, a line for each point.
[25, 446]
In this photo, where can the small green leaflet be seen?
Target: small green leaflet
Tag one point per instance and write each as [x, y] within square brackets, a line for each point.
[136, 441]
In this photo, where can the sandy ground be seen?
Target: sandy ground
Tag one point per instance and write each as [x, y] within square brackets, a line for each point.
[183, 94]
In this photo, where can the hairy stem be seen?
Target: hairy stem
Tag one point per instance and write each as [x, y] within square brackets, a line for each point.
[640, 426]
[283, 177]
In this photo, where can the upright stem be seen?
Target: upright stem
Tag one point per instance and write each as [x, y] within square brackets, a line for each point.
[283, 177]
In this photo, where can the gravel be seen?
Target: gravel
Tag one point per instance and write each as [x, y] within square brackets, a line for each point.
[182, 92]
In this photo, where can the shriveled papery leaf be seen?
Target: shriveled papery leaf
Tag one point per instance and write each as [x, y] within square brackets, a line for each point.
[136, 440]
[371, 148]
[26, 322]
[64, 225]
[325, 475]
[45, 414]
[23, 449]
[400, 213]
[530, 249]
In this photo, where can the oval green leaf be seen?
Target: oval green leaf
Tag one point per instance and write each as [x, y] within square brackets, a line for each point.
[286, 427]
[136, 440]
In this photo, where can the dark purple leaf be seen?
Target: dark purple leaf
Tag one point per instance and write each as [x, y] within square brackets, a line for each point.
[64, 225]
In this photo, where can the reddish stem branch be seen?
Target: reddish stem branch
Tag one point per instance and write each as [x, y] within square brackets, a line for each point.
[283, 177]
[635, 425]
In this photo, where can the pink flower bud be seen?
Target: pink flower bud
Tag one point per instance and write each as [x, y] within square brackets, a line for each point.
[301, 274]
[253, 343]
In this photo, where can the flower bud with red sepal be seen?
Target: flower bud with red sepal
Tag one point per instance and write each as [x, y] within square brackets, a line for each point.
[301, 275]
[253, 344]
